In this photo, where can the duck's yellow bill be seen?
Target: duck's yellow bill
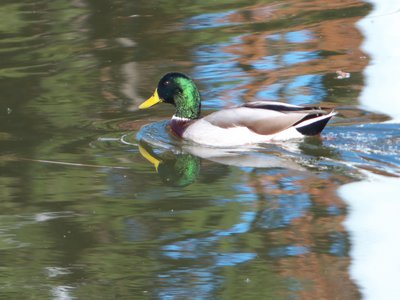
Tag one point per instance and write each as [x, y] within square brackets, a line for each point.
[156, 162]
[153, 100]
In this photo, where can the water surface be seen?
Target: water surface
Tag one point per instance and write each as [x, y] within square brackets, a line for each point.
[98, 204]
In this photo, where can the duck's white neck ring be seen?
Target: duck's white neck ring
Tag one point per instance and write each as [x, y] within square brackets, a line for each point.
[176, 118]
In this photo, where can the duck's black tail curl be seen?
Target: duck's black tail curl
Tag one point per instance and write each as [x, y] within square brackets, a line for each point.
[315, 125]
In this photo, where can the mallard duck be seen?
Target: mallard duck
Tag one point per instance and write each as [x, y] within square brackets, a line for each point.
[250, 123]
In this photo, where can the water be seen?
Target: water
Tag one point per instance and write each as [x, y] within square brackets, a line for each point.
[99, 201]
[370, 223]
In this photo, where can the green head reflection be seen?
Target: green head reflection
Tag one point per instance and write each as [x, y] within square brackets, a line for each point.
[174, 169]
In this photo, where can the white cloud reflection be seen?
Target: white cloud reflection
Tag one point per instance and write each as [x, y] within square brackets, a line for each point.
[373, 221]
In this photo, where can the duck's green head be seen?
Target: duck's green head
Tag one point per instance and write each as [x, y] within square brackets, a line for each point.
[179, 90]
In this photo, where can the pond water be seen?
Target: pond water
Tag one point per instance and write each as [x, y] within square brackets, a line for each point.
[98, 201]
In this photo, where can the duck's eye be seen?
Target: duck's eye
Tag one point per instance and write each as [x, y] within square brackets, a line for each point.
[166, 82]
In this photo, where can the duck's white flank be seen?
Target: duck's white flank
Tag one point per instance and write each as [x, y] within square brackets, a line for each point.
[203, 132]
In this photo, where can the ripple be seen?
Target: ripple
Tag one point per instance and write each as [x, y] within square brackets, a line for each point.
[155, 134]
[211, 20]
[19, 72]
[375, 146]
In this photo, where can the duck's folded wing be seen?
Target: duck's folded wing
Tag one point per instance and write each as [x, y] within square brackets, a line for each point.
[259, 120]
[285, 107]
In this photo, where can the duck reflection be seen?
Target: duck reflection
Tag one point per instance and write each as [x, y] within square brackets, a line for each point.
[180, 166]
[316, 147]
